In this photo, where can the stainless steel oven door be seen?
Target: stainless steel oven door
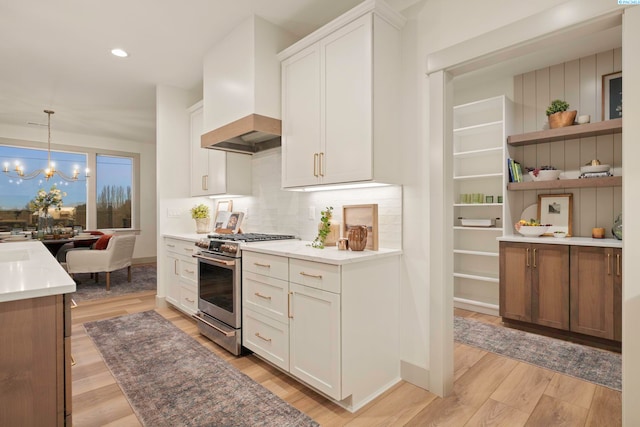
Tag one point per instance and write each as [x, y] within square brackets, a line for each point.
[219, 288]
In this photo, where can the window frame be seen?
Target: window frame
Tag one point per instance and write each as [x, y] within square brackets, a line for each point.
[92, 153]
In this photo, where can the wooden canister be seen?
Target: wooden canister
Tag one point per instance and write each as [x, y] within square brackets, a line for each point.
[357, 236]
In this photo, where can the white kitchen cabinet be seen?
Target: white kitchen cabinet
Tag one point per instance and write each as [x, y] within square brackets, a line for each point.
[314, 338]
[340, 103]
[321, 323]
[479, 133]
[181, 275]
[215, 172]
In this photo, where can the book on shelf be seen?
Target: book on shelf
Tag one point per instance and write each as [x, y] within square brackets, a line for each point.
[515, 171]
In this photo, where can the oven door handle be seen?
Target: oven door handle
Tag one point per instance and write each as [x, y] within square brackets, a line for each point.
[219, 261]
[225, 333]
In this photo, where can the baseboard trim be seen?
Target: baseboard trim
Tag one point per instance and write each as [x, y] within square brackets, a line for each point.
[161, 302]
[414, 374]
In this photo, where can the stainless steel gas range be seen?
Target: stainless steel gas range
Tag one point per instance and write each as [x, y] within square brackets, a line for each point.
[219, 314]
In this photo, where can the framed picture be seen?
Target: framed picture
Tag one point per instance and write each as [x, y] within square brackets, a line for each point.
[557, 210]
[612, 96]
[362, 215]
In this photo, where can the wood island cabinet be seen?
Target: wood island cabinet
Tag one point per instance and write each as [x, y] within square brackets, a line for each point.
[35, 379]
[570, 288]
[534, 283]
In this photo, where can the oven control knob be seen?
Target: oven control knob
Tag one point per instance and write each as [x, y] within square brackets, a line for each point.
[229, 248]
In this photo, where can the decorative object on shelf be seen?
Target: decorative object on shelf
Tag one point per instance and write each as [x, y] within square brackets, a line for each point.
[201, 214]
[515, 171]
[531, 228]
[500, 199]
[559, 234]
[557, 211]
[478, 222]
[594, 169]
[324, 228]
[544, 173]
[597, 233]
[584, 119]
[612, 96]
[50, 170]
[362, 215]
[616, 230]
[558, 114]
[357, 236]
[343, 244]
[488, 199]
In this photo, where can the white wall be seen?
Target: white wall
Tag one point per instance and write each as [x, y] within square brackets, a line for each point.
[146, 240]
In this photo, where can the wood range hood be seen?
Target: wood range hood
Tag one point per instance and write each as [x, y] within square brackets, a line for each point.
[250, 134]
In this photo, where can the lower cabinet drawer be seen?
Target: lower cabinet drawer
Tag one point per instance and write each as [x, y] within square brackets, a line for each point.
[316, 275]
[266, 337]
[188, 299]
[265, 295]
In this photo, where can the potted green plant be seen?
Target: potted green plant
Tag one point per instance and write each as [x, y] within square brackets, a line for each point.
[201, 214]
[324, 229]
[558, 114]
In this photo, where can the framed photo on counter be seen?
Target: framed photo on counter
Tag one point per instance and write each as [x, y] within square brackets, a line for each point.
[557, 210]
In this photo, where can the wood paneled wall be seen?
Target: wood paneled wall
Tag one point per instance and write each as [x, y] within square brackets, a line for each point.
[579, 82]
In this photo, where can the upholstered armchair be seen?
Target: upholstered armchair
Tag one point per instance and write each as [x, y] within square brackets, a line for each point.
[117, 255]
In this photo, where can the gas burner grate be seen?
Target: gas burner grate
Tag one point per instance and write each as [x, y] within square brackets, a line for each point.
[251, 237]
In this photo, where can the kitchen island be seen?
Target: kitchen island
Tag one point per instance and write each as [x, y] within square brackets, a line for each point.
[35, 381]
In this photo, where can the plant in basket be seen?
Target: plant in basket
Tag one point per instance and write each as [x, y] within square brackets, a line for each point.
[558, 114]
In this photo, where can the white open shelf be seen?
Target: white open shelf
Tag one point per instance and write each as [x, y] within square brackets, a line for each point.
[483, 176]
[475, 129]
[478, 153]
[459, 227]
[476, 204]
[478, 253]
[482, 277]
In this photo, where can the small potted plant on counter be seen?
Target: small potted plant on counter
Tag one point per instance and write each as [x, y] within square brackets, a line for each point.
[201, 214]
[558, 114]
[324, 229]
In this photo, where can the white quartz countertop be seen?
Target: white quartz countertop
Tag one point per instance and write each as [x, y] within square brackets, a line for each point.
[28, 270]
[189, 237]
[300, 249]
[572, 241]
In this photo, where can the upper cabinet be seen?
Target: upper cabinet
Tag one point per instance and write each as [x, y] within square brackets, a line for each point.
[215, 172]
[340, 121]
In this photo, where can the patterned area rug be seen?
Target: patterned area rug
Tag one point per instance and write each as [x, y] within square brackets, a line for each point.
[172, 380]
[143, 278]
[587, 363]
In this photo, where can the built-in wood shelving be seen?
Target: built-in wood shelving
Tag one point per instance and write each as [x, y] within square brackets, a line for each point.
[569, 132]
[609, 181]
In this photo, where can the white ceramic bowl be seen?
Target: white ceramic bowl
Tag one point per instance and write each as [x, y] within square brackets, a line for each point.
[559, 234]
[533, 230]
[546, 175]
[594, 168]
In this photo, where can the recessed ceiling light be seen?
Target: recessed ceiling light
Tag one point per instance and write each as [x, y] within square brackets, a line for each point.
[119, 52]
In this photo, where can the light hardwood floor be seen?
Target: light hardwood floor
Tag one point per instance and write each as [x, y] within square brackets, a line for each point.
[489, 390]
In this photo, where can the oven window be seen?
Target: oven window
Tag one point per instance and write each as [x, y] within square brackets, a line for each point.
[216, 286]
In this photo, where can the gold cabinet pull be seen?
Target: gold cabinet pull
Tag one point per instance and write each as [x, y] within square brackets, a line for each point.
[259, 295]
[315, 164]
[534, 257]
[189, 300]
[190, 250]
[175, 267]
[186, 270]
[289, 314]
[170, 246]
[74, 304]
[205, 182]
[262, 338]
[618, 266]
[316, 276]
[262, 265]
[528, 262]
[608, 264]
[321, 164]
[73, 361]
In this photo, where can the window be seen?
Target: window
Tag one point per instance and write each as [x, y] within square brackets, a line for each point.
[106, 200]
[16, 193]
[114, 178]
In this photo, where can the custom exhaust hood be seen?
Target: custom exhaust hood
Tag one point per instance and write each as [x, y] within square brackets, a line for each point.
[241, 88]
[250, 134]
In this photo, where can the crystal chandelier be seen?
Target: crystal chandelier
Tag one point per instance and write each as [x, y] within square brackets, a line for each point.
[48, 172]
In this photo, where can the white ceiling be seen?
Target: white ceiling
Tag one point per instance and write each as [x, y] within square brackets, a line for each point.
[56, 55]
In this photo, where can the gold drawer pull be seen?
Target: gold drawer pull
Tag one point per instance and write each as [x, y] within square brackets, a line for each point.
[317, 276]
[262, 265]
[73, 361]
[171, 246]
[189, 300]
[74, 304]
[608, 264]
[189, 271]
[262, 338]
[190, 250]
[259, 295]
[618, 267]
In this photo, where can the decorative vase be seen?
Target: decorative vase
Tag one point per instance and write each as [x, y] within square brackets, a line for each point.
[357, 236]
[617, 228]
[562, 119]
[202, 225]
[45, 223]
